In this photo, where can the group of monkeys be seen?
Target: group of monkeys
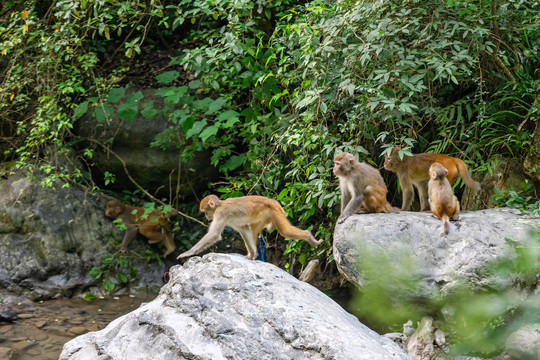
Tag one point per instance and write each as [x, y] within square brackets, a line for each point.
[362, 191]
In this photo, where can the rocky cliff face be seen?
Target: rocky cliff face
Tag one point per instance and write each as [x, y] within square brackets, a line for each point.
[50, 238]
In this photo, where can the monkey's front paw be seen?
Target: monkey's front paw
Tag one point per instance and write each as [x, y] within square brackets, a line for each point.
[184, 255]
[341, 219]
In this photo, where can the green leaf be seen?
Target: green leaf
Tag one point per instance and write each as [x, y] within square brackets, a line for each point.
[196, 129]
[135, 98]
[209, 131]
[115, 95]
[127, 112]
[89, 296]
[122, 278]
[167, 77]
[230, 123]
[234, 162]
[203, 104]
[95, 272]
[195, 84]
[148, 110]
[80, 110]
[108, 285]
[103, 112]
[216, 105]
[282, 194]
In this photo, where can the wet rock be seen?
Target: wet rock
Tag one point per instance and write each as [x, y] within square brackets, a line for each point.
[77, 330]
[26, 316]
[413, 243]
[6, 313]
[5, 328]
[40, 324]
[6, 353]
[227, 307]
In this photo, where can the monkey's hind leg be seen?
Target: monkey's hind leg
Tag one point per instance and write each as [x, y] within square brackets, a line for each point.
[168, 241]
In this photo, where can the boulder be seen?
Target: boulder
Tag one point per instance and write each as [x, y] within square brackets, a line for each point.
[524, 343]
[50, 238]
[154, 167]
[227, 307]
[413, 245]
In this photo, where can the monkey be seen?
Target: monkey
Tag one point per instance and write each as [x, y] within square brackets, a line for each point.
[362, 187]
[414, 170]
[155, 227]
[442, 201]
[248, 215]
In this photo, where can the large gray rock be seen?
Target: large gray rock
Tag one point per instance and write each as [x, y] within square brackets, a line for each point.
[228, 307]
[50, 237]
[414, 243]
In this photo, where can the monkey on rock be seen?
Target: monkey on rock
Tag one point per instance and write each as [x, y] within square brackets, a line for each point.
[362, 187]
[414, 170]
[248, 215]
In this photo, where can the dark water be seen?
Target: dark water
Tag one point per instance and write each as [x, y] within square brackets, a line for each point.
[43, 328]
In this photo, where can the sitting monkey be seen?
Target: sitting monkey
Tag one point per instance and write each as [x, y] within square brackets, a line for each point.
[442, 201]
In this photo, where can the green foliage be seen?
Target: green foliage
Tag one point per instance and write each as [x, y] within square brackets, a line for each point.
[275, 89]
[114, 270]
[525, 200]
[477, 321]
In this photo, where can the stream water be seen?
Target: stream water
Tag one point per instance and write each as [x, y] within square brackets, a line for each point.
[42, 328]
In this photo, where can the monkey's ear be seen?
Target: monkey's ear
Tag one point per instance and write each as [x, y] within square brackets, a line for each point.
[351, 161]
[211, 203]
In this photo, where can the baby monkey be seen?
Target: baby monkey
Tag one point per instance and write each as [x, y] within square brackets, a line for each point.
[442, 201]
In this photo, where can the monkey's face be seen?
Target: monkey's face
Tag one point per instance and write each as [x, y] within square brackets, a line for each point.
[208, 207]
[343, 164]
[111, 213]
[113, 209]
[209, 212]
[392, 161]
[337, 167]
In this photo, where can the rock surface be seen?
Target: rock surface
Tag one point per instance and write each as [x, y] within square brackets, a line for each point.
[439, 262]
[524, 343]
[227, 307]
[51, 237]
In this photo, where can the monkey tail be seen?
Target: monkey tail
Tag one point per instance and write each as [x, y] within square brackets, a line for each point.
[464, 172]
[287, 230]
[446, 224]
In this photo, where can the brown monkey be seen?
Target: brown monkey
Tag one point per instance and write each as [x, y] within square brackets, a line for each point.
[248, 215]
[155, 227]
[443, 203]
[414, 170]
[362, 187]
